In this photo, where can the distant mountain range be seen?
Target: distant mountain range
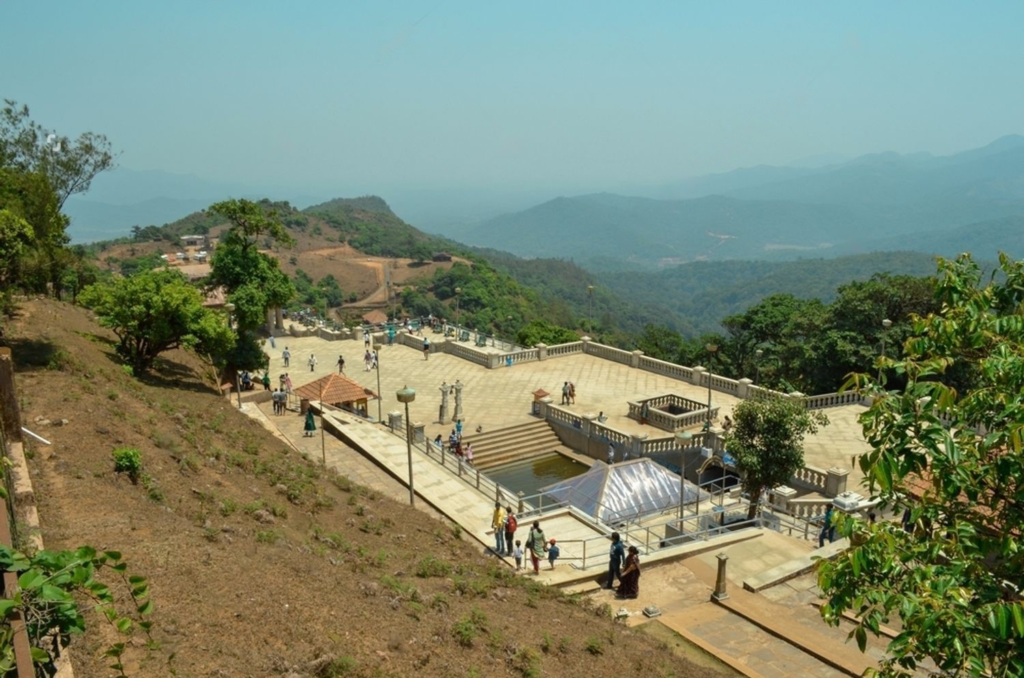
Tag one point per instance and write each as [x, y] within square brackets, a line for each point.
[122, 198]
[968, 201]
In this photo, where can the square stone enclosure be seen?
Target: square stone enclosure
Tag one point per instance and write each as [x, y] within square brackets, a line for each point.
[671, 412]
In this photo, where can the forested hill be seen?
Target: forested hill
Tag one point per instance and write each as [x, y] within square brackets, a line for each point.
[699, 295]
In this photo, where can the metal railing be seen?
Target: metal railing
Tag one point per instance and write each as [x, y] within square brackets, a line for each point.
[462, 469]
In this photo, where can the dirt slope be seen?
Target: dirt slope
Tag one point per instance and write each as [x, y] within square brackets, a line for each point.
[259, 564]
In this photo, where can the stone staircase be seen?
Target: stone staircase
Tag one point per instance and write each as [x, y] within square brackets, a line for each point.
[516, 443]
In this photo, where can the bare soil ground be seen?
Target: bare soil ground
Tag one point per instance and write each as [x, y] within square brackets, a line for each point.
[260, 564]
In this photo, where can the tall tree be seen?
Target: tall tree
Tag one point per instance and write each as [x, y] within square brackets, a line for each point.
[953, 460]
[40, 170]
[766, 441]
[252, 279]
[156, 311]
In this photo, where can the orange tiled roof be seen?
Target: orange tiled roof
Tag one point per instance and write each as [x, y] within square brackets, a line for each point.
[337, 388]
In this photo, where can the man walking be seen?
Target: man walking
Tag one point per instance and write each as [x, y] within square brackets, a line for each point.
[426, 348]
[341, 364]
[287, 355]
[498, 525]
[617, 555]
[312, 362]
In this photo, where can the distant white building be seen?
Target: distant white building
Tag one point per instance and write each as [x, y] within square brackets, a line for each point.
[194, 240]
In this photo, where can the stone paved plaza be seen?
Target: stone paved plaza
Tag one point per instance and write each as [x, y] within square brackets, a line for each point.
[501, 397]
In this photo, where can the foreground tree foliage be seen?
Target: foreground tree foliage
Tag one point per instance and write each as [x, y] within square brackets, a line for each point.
[253, 280]
[156, 311]
[954, 460]
[48, 582]
[767, 442]
[39, 171]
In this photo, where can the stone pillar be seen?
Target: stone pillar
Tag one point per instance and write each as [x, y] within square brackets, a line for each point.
[636, 446]
[458, 400]
[744, 390]
[720, 582]
[494, 361]
[542, 351]
[586, 344]
[835, 481]
[781, 496]
[634, 360]
[544, 403]
[442, 413]
[587, 423]
[10, 414]
[695, 377]
[395, 420]
[418, 435]
[278, 318]
[359, 333]
[796, 396]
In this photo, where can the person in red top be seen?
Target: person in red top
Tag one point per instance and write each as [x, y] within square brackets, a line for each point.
[510, 529]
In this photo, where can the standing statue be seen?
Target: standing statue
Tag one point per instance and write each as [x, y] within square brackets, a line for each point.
[442, 414]
[458, 399]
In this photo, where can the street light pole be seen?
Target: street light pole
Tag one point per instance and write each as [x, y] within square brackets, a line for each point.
[684, 438]
[230, 308]
[376, 354]
[323, 444]
[712, 349]
[590, 309]
[757, 366]
[407, 395]
[886, 324]
[458, 291]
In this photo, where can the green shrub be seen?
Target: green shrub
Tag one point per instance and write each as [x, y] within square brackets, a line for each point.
[128, 460]
[431, 566]
[594, 646]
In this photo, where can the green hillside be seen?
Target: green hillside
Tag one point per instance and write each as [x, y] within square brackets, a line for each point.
[700, 295]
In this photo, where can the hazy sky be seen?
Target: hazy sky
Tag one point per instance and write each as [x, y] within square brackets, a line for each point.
[344, 97]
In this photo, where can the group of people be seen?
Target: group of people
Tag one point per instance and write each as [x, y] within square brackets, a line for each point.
[624, 566]
[455, 443]
[370, 360]
[568, 393]
[538, 546]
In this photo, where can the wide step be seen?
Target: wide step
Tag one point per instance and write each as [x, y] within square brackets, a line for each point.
[513, 444]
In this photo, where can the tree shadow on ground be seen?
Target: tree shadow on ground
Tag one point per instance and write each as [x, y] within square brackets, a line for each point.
[33, 354]
[170, 374]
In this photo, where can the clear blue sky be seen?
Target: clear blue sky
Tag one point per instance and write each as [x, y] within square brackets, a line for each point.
[346, 97]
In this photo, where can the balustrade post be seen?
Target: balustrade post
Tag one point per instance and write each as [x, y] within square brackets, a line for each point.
[520, 503]
[696, 374]
[478, 479]
[835, 481]
[634, 359]
[542, 351]
[743, 391]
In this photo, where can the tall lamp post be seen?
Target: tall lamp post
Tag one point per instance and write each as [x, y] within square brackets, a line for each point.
[684, 438]
[886, 324]
[458, 291]
[407, 395]
[376, 355]
[712, 349]
[590, 309]
[757, 366]
[230, 308]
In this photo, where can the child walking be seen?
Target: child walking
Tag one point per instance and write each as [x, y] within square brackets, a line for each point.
[518, 553]
[553, 553]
